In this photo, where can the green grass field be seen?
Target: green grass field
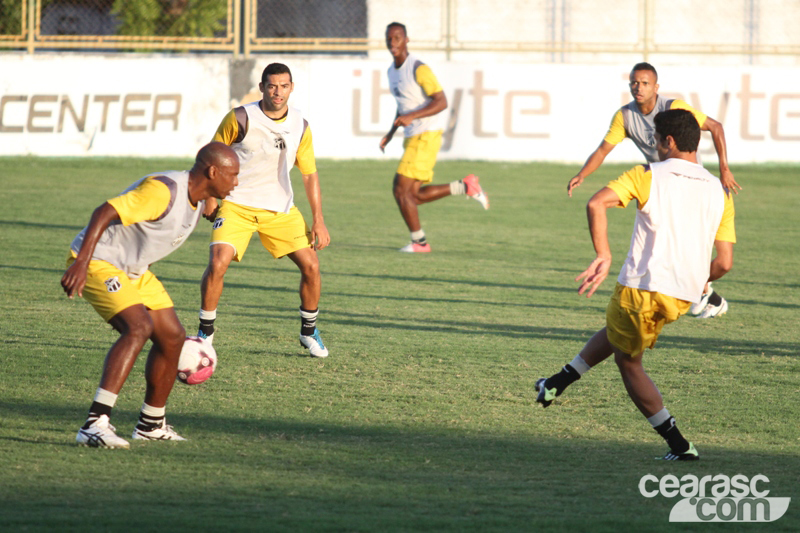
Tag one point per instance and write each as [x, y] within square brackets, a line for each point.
[424, 415]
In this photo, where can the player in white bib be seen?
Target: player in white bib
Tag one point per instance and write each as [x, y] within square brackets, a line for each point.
[270, 138]
[635, 121]
[109, 265]
[420, 103]
[683, 214]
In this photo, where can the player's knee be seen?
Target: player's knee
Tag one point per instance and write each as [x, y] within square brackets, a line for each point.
[310, 267]
[138, 327]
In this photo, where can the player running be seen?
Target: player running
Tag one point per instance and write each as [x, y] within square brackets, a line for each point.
[420, 102]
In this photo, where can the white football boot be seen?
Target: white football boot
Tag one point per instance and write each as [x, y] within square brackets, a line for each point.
[714, 310]
[698, 308]
[101, 434]
[314, 344]
[163, 432]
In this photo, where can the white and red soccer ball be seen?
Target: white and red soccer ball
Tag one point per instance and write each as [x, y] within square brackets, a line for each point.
[197, 362]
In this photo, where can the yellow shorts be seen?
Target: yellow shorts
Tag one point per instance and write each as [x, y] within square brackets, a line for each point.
[419, 157]
[280, 233]
[110, 290]
[634, 317]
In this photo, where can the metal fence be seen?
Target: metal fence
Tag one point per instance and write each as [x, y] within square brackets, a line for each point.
[542, 30]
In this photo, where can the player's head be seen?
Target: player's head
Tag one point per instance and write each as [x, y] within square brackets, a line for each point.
[681, 127]
[644, 83]
[276, 86]
[216, 170]
[275, 68]
[397, 40]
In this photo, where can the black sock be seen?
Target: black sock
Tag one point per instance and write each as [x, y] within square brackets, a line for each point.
[715, 299]
[669, 432]
[563, 379]
[308, 322]
[97, 410]
[148, 422]
[207, 326]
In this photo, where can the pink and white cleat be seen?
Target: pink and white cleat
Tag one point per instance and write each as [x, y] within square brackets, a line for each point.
[416, 248]
[475, 191]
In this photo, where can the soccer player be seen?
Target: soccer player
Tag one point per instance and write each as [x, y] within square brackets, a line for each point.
[109, 265]
[420, 101]
[683, 212]
[635, 121]
[269, 137]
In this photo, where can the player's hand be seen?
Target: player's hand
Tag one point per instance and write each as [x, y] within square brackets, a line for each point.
[726, 177]
[573, 183]
[210, 210]
[319, 235]
[403, 120]
[74, 279]
[594, 275]
[384, 141]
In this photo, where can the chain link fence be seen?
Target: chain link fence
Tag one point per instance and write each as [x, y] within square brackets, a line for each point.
[558, 31]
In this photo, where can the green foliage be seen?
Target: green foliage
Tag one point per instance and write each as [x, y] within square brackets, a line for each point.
[192, 18]
[424, 415]
[11, 22]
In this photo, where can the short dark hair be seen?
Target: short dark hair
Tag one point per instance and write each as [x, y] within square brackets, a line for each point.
[397, 25]
[645, 66]
[681, 125]
[275, 68]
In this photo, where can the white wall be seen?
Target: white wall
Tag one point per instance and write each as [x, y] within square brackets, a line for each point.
[501, 111]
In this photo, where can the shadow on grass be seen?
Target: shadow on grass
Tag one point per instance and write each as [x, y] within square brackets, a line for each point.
[260, 473]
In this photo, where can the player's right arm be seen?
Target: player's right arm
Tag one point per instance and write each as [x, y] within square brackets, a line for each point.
[388, 137]
[148, 201]
[614, 136]
[232, 129]
[74, 278]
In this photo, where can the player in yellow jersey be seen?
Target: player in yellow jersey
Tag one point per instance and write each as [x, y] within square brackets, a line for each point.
[683, 208]
[420, 102]
[109, 264]
[635, 121]
[269, 137]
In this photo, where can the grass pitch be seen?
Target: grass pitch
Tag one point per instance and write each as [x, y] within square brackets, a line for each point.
[423, 417]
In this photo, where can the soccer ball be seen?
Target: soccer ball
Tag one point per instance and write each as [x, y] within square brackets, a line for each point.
[197, 362]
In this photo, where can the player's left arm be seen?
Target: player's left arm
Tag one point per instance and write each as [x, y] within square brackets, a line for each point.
[430, 85]
[724, 241]
[307, 165]
[718, 136]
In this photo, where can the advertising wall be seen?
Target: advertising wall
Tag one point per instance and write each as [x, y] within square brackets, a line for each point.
[159, 106]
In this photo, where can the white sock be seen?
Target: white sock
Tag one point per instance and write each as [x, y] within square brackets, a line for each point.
[457, 188]
[580, 366]
[208, 315]
[154, 412]
[659, 418]
[418, 235]
[105, 397]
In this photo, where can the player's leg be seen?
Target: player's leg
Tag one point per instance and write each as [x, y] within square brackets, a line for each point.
[310, 289]
[648, 400]
[230, 236]
[160, 371]
[596, 350]
[116, 299]
[287, 234]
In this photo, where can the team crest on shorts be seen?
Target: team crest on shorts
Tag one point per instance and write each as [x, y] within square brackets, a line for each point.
[218, 223]
[113, 284]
